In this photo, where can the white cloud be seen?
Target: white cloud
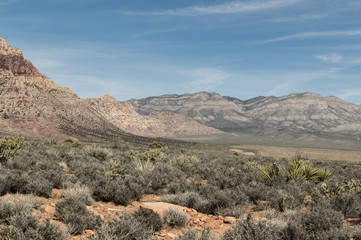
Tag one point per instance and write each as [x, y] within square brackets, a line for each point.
[350, 94]
[337, 58]
[331, 58]
[226, 8]
[208, 78]
[317, 34]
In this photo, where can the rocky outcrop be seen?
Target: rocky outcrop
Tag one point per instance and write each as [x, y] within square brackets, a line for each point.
[124, 116]
[12, 59]
[293, 115]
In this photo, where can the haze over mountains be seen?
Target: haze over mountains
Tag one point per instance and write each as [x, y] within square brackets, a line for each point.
[32, 104]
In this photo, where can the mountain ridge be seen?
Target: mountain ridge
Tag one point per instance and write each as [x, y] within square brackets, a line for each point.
[295, 114]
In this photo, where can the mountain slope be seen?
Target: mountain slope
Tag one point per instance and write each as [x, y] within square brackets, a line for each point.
[124, 116]
[292, 115]
[32, 104]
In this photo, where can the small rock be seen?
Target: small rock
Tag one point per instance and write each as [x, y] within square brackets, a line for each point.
[88, 233]
[229, 220]
[220, 218]
[49, 209]
[162, 235]
[52, 204]
[171, 235]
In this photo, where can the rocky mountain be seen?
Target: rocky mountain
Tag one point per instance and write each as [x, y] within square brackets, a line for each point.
[30, 103]
[292, 115]
[166, 124]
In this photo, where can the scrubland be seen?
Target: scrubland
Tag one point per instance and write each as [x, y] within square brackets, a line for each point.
[271, 198]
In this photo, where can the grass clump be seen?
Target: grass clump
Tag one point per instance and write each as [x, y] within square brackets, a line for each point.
[79, 192]
[175, 217]
[10, 146]
[160, 145]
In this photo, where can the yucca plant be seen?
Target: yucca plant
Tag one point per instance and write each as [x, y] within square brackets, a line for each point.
[323, 174]
[309, 171]
[143, 166]
[269, 172]
[294, 169]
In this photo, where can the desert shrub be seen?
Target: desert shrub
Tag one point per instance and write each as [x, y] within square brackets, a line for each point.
[187, 199]
[9, 146]
[16, 204]
[252, 230]
[74, 142]
[124, 228]
[98, 152]
[349, 205]
[120, 191]
[75, 215]
[115, 170]
[39, 186]
[349, 187]
[185, 161]
[12, 181]
[192, 234]
[152, 155]
[149, 218]
[157, 144]
[78, 192]
[175, 217]
[53, 176]
[319, 223]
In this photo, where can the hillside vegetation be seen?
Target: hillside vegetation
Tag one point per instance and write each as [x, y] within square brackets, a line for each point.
[271, 198]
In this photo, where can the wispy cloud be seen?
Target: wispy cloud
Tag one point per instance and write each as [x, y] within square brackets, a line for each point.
[300, 18]
[330, 58]
[208, 78]
[340, 59]
[160, 31]
[226, 8]
[317, 34]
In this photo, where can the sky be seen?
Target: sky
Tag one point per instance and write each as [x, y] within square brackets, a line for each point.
[140, 48]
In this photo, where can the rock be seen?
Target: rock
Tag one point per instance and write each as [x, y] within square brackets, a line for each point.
[229, 220]
[49, 209]
[171, 235]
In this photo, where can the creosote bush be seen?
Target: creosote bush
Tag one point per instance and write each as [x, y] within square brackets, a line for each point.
[75, 215]
[149, 218]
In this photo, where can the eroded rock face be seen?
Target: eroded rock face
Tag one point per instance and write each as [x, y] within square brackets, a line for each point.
[294, 115]
[12, 59]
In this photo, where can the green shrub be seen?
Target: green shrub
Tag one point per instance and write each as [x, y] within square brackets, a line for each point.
[149, 218]
[12, 181]
[124, 228]
[160, 145]
[39, 186]
[74, 142]
[175, 217]
[9, 146]
[152, 155]
[75, 215]
[115, 170]
[185, 161]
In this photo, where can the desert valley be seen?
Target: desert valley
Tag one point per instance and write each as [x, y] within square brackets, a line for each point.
[191, 166]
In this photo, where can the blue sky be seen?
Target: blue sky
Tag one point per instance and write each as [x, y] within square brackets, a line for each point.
[140, 48]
